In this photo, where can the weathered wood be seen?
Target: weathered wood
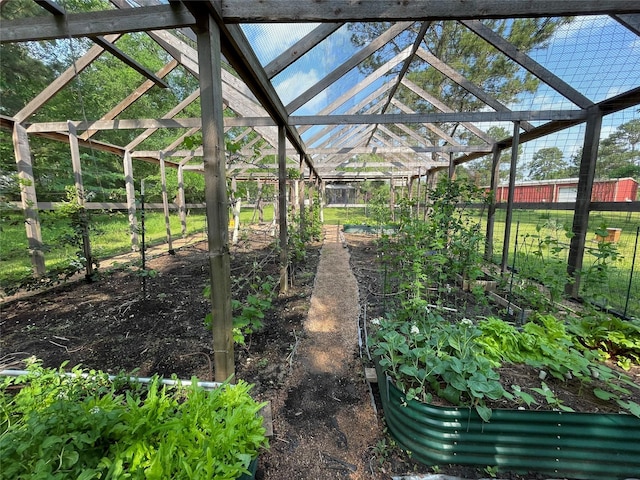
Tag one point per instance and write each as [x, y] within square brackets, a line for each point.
[512, 183]
[491, 211]
[440, 117]
[209, 59]
[96, 23]
[29, 198]
[165, 204]
[586, 176]
[80, 198]
[282, 208]
[250, 11]
[130, 189]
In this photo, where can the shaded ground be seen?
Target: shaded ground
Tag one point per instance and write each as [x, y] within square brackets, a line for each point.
[306, 361]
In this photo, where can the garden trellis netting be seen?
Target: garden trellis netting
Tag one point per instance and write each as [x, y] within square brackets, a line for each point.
[101, 94]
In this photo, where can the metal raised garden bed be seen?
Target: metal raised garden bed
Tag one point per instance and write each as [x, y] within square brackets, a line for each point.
[578, 445]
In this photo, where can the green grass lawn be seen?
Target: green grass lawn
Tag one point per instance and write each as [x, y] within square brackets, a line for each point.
[111, 236]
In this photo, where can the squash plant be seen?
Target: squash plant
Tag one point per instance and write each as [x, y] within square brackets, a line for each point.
[84, 426]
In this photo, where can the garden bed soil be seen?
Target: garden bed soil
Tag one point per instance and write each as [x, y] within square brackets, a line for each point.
[323, 425]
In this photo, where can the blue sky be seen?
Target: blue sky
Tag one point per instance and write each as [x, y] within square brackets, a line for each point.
[596, 55]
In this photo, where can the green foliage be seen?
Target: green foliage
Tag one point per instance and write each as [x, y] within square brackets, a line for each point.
[426, 355]
[596, 272]
[424, 256]
[83, 426]
[611, 337]
[253, 298]
[547, 344]
[543, 257]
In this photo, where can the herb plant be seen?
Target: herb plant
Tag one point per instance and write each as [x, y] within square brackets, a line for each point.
[83, 426]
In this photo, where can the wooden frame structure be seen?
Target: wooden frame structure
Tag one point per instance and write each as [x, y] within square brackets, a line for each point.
[317, 143]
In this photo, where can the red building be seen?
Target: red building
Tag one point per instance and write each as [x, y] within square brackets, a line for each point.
[565, 190]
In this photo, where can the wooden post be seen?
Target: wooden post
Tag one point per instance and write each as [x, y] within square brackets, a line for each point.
[323, 194]
[491, 211]
[586, 176]
[29, 198]
[80, 198]
[165, 203]
[209, 60]
[131, 198]
[452, 167]
[282, 209]
[300, 198]
[182, 208]
[512, 186]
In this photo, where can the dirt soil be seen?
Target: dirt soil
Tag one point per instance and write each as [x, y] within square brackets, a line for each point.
[306, 361]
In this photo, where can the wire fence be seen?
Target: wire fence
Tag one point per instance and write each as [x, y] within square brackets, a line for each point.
[539, 246]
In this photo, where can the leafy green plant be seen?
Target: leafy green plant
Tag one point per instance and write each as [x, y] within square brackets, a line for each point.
[83, 426]
[428, 356]
[596, 273]
[249, 313]
[611, 337]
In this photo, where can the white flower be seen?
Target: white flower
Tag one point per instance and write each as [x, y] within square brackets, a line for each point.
[466, 321]
[414, 330]
[375, 321]
[94, 410]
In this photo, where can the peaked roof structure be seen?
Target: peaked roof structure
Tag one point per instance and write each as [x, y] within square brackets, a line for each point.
[362, 89]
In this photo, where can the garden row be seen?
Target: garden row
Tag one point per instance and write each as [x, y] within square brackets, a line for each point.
[467, 382]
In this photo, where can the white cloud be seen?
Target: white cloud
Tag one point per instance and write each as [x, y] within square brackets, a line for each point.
[297, 83]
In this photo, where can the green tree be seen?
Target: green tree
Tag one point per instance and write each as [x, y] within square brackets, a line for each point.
[618, 155]
[547, 163]
[468, 54]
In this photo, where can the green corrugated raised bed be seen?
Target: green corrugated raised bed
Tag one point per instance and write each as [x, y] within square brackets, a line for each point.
[579, 445]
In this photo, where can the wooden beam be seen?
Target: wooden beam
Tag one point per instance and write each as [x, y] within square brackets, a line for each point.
[96, 23]
[524, 60]
[439, 117]
[352, 62]
[130, 189]
[123, 57]
[165, 204]
[299, 48]
[250, 11]
[282, 211]
[632, 22]
[59, 83]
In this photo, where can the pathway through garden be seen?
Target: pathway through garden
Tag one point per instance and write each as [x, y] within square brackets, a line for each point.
[324, 423]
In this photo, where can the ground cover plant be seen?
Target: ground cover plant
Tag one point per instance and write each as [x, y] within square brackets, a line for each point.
[83, 425]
